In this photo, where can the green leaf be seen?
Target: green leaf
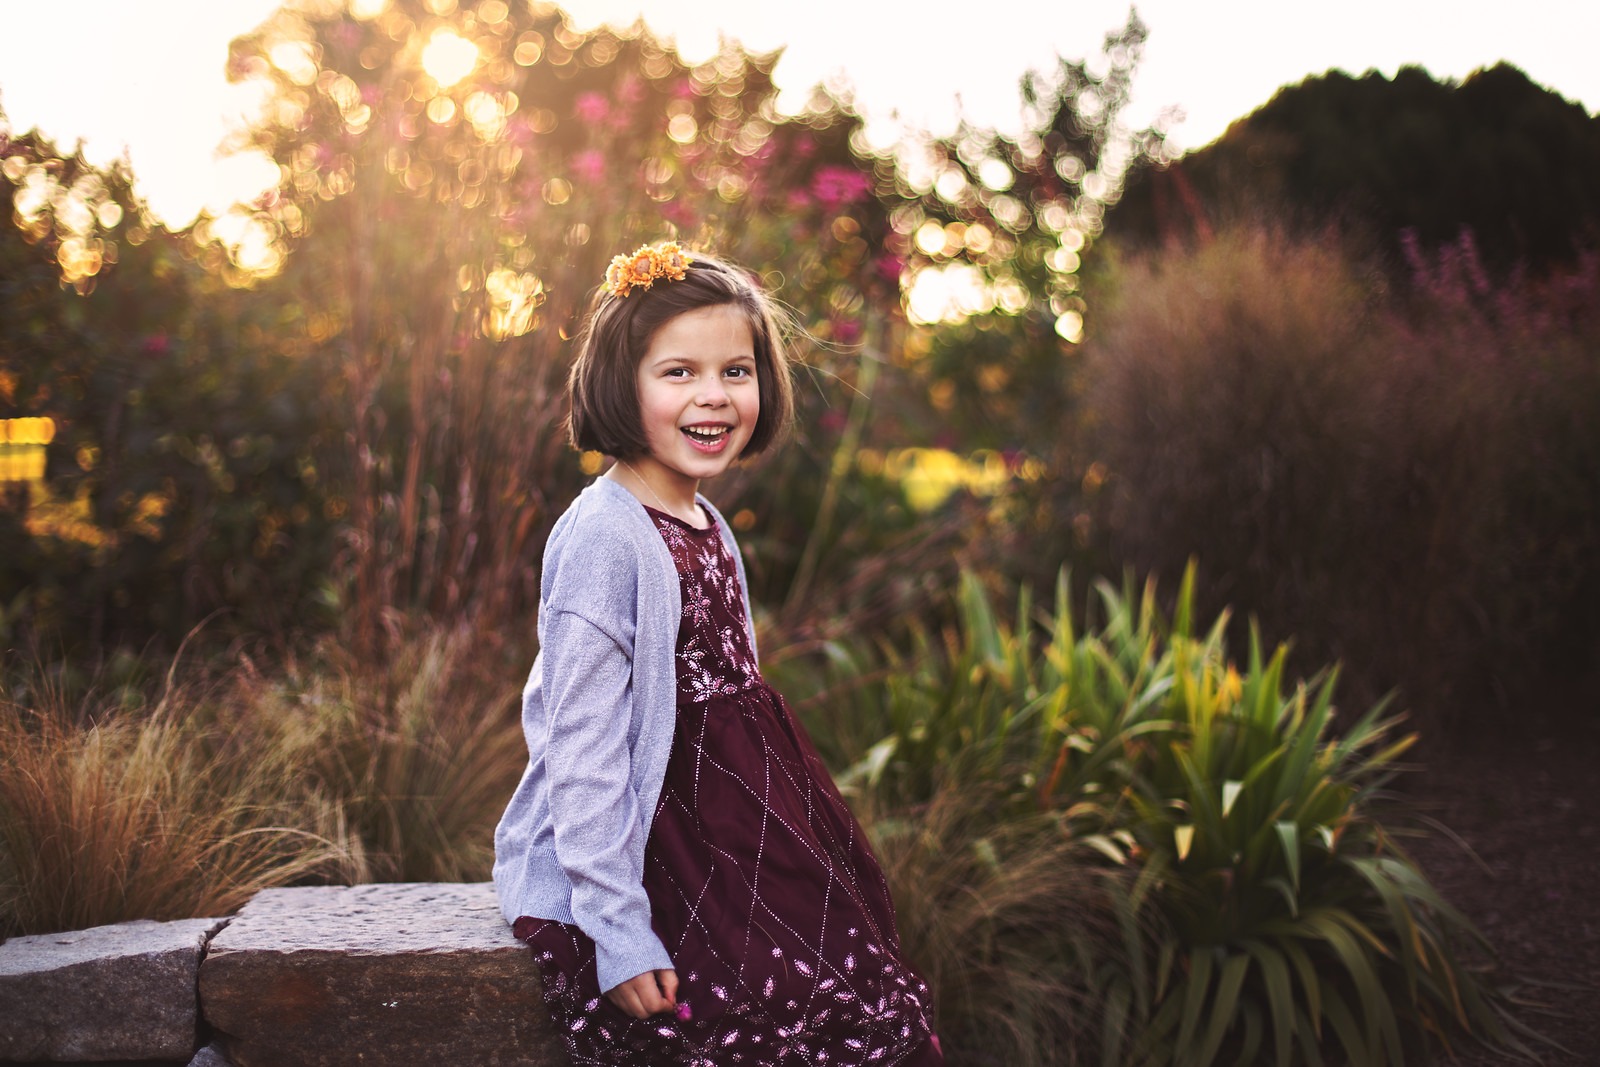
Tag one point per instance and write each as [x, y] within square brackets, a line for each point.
[1289, 838]
[1230, 793]
[1196, 989]
[1280, 997]
[1222, 1009]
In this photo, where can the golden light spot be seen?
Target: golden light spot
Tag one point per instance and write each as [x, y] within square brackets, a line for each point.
[995, 174]
[530, 49]
[513, 299]
[295, 59]
[487, 115]
[442, 110]
[682, 128]
[950, 184]
[557, 191]
[591, 462]
[930, 238]
[27, 432]
[1063, 261]
[1070, 327]
[493, 12]
[368, 9]
[448, 58]
[744, 519]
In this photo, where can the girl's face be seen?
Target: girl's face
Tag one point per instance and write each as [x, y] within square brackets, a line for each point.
[698, 397]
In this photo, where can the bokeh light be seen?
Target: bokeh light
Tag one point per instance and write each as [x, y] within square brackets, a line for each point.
[448, 57]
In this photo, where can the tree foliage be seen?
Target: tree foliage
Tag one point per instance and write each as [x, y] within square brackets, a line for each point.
[182, 475]
[438, 234]
[1496, 154]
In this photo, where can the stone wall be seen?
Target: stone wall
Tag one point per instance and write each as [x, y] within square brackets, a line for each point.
[401, 975]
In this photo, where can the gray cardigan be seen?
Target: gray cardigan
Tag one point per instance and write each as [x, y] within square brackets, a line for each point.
[598, 713]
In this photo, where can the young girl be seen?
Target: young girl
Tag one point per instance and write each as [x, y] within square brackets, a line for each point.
[693, 887]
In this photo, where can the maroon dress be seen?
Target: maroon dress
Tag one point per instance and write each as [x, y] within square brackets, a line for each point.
[762, 886]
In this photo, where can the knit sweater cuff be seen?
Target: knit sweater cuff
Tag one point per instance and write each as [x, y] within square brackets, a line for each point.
[619, 957]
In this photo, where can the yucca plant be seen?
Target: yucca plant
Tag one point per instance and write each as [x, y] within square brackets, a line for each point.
[1299, 923]
[1297, 931]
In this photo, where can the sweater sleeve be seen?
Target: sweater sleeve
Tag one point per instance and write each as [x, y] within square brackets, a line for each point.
[587, 679]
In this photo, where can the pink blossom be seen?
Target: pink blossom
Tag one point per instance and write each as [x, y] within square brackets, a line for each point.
[589, 165]
[847, 331]
[592, 107]
[157, 344]
[798, 200]
[836, 186]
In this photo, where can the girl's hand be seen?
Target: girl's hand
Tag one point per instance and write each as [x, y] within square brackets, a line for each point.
[646, 994]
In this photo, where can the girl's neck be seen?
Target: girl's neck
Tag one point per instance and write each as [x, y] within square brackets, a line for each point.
[673, 496]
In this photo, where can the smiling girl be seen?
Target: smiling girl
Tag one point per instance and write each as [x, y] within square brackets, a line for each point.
[692, 885]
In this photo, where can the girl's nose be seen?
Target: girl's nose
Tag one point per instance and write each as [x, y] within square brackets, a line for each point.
[713, 395]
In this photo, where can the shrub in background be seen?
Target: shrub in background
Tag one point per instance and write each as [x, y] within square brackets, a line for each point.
[1401, 480]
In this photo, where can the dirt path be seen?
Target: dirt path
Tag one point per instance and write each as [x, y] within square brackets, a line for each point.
[1523, 798]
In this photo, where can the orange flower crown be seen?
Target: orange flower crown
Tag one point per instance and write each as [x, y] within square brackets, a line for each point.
[645, 267]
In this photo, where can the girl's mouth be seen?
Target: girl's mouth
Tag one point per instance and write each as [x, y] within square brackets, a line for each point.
[707, 438]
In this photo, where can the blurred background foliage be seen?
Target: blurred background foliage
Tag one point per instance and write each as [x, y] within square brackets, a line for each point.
[1347, 358]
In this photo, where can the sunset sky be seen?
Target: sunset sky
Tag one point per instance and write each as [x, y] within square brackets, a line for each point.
[147, 77]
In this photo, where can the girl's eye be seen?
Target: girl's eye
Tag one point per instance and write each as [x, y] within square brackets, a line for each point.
[739, 372]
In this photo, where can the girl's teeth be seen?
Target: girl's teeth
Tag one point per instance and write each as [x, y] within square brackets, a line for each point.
[706, 435]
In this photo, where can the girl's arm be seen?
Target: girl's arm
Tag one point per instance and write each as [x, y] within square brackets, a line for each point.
[599, 832]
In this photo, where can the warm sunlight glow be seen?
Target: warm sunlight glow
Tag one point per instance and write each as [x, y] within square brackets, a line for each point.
[449, 57]
[1070, 327]
[513, 299]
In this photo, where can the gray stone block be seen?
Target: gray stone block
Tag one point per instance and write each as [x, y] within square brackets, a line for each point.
[211, 1056]
[122, 992]
[376, 974]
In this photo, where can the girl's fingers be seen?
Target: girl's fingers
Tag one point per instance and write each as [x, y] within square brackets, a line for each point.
[625, 997]
[669, 986]
[647, 994]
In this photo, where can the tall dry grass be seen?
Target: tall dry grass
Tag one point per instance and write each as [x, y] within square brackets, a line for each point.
[129, 815]
[420, 752]
[330, 769]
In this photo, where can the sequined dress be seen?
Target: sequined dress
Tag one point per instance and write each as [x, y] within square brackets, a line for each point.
[762, 886]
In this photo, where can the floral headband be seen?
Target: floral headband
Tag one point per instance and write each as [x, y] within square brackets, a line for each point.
[645, 267]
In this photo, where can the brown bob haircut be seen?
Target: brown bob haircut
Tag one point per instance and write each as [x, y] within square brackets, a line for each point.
[603, 387]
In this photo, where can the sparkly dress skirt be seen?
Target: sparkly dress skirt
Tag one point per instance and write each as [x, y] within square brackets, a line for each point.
[762, 887]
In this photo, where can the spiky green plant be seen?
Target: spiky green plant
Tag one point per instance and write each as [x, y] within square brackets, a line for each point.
[1296, 928]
